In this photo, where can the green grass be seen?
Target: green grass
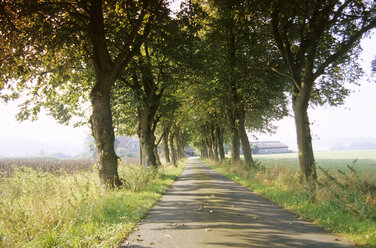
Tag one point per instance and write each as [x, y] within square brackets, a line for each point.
[38, 209]
[344, 204]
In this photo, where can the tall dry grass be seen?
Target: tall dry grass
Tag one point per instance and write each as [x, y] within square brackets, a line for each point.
[347, 189]
[43, 209]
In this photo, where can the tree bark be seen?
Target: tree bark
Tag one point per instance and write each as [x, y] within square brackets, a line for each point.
[235, 141]
[214, 144]
[146, 135]
[103, 133]
[209, 146]
[156, 154]
[204, 151]
[172, 149]
[140, 151]
[179, 144]
[147, 149]
[304, 138]
[166, 151]
[221, 149]
[245, 142]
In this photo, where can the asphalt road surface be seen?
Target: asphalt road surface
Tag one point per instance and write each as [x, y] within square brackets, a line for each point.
[205, 209]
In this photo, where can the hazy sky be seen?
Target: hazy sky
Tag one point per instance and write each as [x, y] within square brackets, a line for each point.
[356, 119]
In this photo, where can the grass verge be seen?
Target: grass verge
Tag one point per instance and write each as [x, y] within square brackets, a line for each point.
[38, 209]
[320, 205]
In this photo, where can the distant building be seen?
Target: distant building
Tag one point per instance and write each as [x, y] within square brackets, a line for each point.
[267, 147]
[127, 146]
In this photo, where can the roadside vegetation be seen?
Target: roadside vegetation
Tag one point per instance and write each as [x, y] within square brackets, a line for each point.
[342, 201]
[42, 209]
[203, 75]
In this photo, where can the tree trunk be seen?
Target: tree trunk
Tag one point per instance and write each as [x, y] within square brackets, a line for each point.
[303, 132]
[246, 148]
[146, 135]
[209, 146]
[204, 151]
[103, 133]
[172, 149]
[140, 149]
[235, 146]
[166, 151]
[221, 149]
[214, 142]
[101, 118]
[156, 154]
[235, 141]
[147, 149]
[245, 142]
[179, 144]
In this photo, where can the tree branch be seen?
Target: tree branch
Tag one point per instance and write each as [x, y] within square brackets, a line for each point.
[344, 48]
[160, 138]
[100, 53]
[286, 75]
[283, 47]
[132, 47]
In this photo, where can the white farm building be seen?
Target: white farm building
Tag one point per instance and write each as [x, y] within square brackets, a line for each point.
[267, 147]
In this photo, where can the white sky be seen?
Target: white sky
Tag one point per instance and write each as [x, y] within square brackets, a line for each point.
[356, 119]
[46, 131]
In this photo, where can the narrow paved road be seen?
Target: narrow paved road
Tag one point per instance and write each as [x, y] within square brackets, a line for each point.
[205, 209]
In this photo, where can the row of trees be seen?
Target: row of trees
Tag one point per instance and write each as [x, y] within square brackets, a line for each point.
[204, 75]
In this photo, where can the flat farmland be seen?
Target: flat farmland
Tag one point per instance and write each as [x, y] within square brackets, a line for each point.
[330, 160]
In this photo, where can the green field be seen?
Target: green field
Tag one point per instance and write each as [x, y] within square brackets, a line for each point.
[331, 160]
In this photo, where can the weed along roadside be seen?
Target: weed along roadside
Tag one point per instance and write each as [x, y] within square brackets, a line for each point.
[340, 203]
[39, 209]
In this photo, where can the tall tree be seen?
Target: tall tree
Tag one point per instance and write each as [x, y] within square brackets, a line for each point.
[319, 43]
[239, 51]
[94, 38]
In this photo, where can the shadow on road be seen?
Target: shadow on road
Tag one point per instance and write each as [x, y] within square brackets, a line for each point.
[205, 209]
